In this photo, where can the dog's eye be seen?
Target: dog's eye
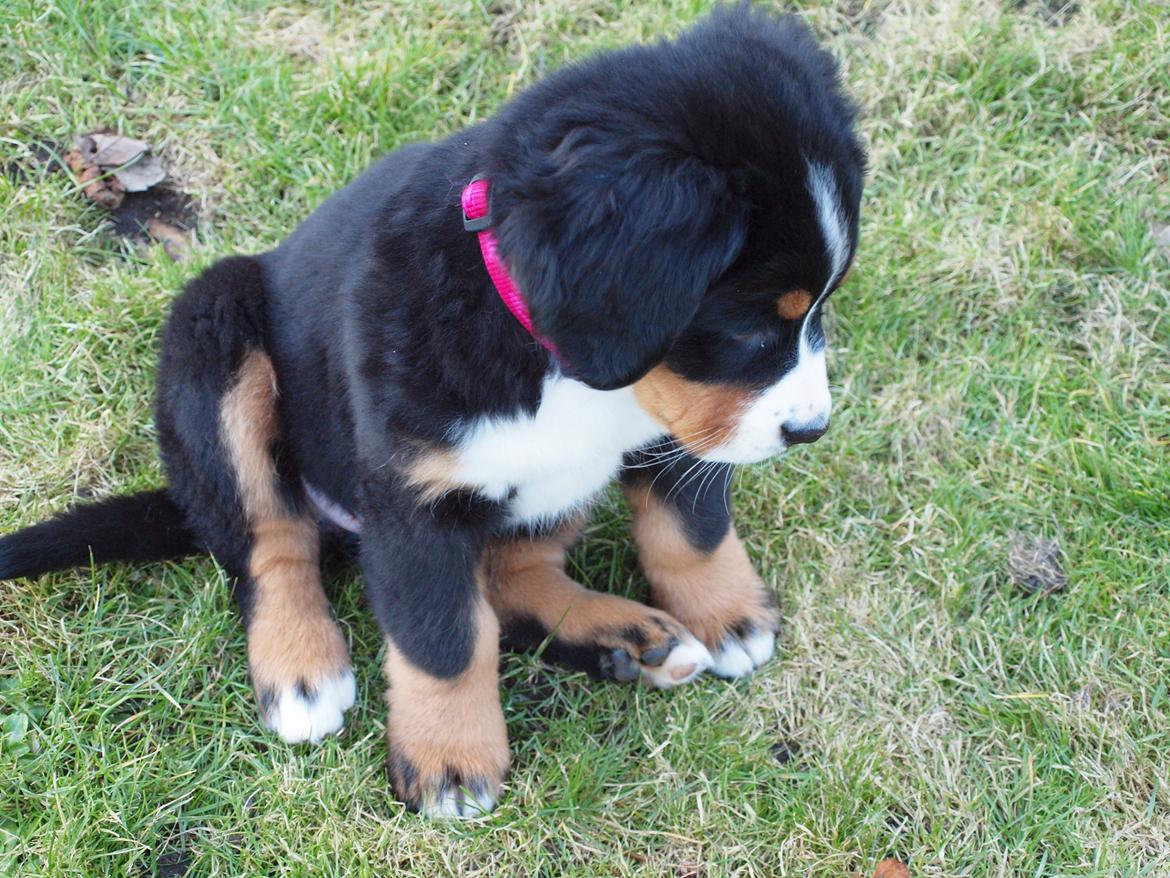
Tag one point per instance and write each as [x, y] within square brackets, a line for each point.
[760, 339]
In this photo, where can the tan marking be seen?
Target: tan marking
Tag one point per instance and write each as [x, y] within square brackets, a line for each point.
[794, 304]
[445, 728]
[700, 416]
[710, 593]
[431, 472]
[292, 637]
[248, 424]
[526, 578]
[291, 633]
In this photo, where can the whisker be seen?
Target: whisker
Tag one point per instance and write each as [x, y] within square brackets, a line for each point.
[681, 483]
[708, 480]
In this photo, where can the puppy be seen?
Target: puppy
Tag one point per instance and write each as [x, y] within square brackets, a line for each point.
[621, 275]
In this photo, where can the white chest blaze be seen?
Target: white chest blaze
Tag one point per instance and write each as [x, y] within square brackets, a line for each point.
[553, 461]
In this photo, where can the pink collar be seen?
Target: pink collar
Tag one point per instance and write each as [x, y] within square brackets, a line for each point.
[477, 217]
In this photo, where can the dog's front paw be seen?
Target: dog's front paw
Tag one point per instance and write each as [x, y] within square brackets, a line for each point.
[447, 743]
[739, 630]
[715, 592]
[447, 766]
[742, 650]
[463, 789]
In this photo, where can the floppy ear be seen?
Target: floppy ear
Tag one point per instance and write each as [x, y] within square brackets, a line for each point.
[613, 251]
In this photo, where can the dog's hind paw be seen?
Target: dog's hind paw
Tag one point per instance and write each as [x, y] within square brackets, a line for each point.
[300, 712]
[681, 659]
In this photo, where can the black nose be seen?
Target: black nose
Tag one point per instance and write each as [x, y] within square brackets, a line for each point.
[800, 434]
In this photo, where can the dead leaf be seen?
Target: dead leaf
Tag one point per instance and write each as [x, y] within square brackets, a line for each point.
[111, 150]
[140, 208]
[125, 158]
[144, 173]
[891, 868]
[1035, 564]
[176, 241]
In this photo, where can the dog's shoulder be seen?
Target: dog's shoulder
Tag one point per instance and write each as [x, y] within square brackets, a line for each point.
[327, 240]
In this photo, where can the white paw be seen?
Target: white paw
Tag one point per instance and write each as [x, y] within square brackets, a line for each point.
[737, 656]
[296, 718]
[685, 662]
[459, 803]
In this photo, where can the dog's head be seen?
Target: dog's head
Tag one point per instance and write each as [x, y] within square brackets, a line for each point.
[677, 215]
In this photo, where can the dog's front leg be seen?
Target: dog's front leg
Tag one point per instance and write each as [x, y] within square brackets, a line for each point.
[699, 571]
[448, 748]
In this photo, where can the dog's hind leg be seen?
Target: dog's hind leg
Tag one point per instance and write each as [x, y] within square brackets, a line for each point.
[220, 439]
[603, 634]
[296, 655]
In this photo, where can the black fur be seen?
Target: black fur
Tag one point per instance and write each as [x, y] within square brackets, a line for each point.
[698, 494]
[526, 633]
[420, 579]
[138, 527]
[213, 325]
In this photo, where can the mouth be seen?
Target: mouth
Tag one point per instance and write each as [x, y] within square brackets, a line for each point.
[739, 453]
[759, 441]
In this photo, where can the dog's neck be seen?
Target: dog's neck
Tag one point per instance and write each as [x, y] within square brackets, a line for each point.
[477, 217]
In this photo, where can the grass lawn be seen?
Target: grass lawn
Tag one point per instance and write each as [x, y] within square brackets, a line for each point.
[1001, 362]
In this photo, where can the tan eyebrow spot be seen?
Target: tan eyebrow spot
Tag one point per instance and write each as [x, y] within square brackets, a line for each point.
[794, 304]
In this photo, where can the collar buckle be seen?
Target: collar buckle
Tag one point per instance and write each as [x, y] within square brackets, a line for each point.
[477, 204]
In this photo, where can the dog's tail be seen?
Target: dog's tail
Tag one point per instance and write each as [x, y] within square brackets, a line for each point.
[147, 526]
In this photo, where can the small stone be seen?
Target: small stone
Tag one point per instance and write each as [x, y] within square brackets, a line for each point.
[891, 868]
[1035, 564]
[785, 751]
